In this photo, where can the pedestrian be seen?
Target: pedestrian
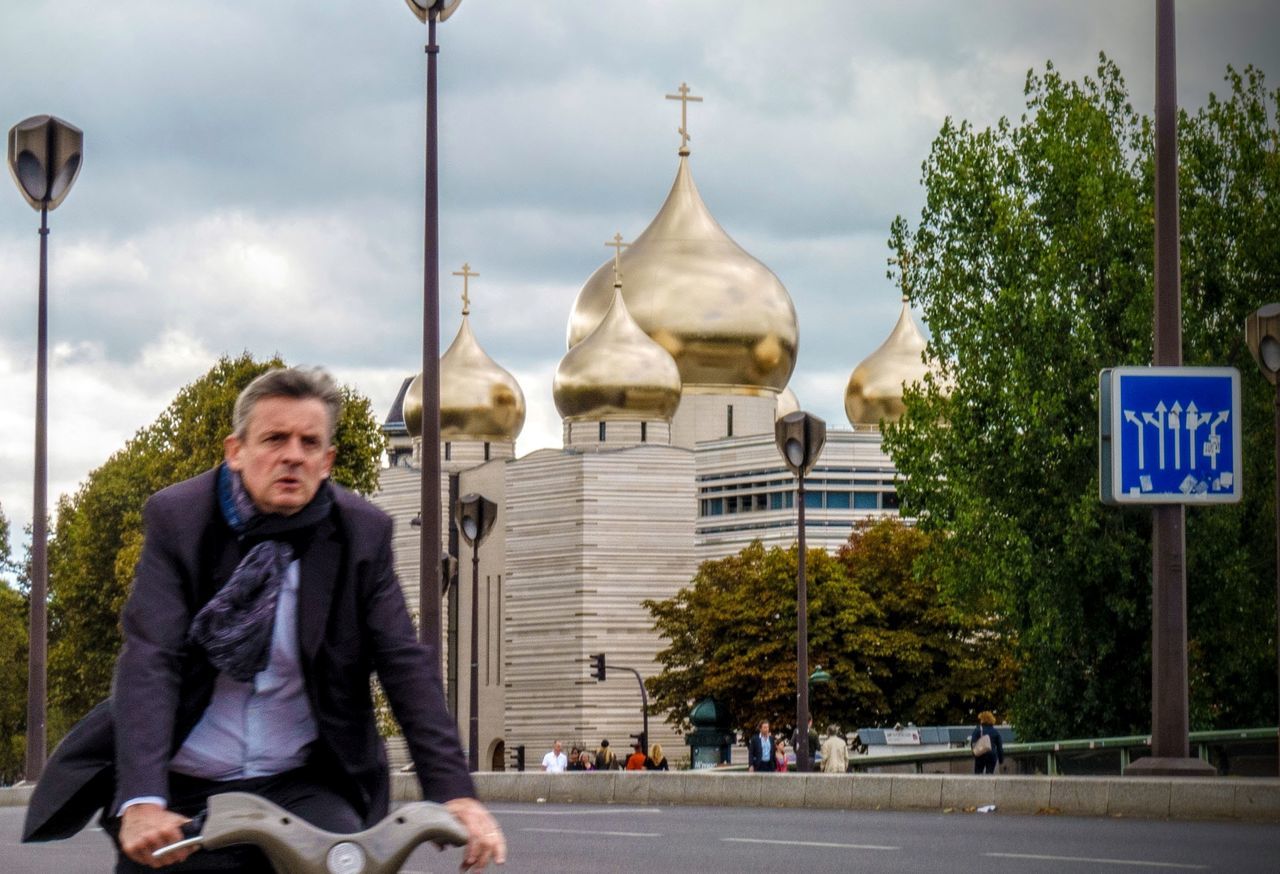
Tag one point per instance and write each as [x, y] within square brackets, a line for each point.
[781, 756]
[760, 750]
[585, 762]
[555, 761]
[636, 761]
[835, 752]
[813, 742]
[988, 749]
[606, 759]
[262, 596]
[575, 759]
[657, 760]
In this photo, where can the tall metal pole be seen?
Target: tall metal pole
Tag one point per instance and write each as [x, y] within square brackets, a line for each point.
[1277, 514]
[1170, 717]
[38, 629]
[802, 639]
[473, 720]
[429, 626]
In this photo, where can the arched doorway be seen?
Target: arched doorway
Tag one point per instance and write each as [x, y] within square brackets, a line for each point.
[498, 756]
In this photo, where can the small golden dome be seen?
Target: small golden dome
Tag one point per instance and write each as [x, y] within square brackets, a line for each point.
[479, 399]
[875, 387]
[617, 373]
[723, 316]
[787, 403]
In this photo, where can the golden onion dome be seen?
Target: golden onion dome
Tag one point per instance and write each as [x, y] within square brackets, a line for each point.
[479, 399]
[876, 385]
[617, 373]
[787, 403]
[723, 316]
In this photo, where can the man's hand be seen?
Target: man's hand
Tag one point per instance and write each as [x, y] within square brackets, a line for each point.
[145, 828]
[486, 842]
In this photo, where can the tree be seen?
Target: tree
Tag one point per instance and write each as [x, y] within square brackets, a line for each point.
[98, 536]
[929, 661]
[1032, 261]
[893, 651]
[13, 668]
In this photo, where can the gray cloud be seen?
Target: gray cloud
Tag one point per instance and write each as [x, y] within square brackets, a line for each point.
[253, 174]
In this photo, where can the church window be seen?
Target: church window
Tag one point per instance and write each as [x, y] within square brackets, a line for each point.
[644, 432]
[602, 432]
[448, 450]
[729, 420]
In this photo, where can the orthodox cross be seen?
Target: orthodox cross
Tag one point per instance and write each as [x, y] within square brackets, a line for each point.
[617, 245]
[466, 274]
[684, 99]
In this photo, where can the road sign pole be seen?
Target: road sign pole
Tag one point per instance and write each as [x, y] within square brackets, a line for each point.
[1170, 749]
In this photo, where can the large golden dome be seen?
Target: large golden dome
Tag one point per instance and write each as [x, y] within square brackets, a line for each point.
[875, 386]
[617, 373]
[723, 316]
[479, 399]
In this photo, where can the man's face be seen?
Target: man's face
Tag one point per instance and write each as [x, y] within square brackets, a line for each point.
[558, 747]
[285, 453]
[764, 728]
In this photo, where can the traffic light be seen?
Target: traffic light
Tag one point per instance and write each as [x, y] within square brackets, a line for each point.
[643, 740]
[518, 753]
[597, 666]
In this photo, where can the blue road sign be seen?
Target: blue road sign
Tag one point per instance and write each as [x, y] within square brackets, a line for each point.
[1169, 435]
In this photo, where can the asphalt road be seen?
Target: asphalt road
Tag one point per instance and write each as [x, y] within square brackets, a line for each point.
[566, 839]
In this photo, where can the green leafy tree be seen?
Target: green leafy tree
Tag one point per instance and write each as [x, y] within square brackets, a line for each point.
[13, 667]
[926, 660]
[893, 651]
[98, 537]
[1032, 261]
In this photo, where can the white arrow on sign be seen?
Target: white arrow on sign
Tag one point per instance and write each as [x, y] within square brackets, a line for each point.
[1129, 416]
[1215, 440]
[1158, 421]
[1175, 422]
[1194, 421]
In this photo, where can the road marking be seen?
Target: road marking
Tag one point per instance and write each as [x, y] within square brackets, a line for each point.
[1138, 862]
[576, 811]
[809, 844]
[578, 831]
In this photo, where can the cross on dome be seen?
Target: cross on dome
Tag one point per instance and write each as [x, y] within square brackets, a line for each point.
[466, 274]
[685, 98]
[617, 245]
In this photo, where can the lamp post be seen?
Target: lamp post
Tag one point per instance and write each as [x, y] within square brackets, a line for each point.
[44, 156]
[475, 514]
[429, 12]
[1262, 334]
[800, 437]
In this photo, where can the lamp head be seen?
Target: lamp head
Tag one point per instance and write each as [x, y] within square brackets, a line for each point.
[422, 8]
[476, 515]
[800, 437]
[1262, 334]
[44, 158]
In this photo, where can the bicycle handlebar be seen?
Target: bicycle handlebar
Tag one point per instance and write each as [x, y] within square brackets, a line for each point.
[294, 845]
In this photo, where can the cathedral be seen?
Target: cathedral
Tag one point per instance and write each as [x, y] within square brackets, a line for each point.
[680, 348]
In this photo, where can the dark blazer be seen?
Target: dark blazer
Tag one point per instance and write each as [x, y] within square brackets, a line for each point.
[997, 745]
[755, 754]
[351, 620]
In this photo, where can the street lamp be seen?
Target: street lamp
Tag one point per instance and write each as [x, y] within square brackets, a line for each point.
[1262, 334]
[44, 156]
[475, 515]
[429, 12]
[800, 437]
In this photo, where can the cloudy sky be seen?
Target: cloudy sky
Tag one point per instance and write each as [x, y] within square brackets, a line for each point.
[253, 174]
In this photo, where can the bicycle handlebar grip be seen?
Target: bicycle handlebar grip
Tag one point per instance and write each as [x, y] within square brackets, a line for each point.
[296, 846]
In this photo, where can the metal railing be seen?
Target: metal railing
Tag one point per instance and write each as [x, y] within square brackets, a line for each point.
[1049, 757]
